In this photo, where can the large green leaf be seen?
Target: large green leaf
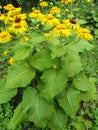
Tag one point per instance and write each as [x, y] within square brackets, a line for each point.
[5, 93]
[58, 50]
[80, 46]
[19, 76]
[21, 52]
[81, 82]
[55, 82]
[91, 94]
[71, 63]
[36, 37]
[58, 120]
[19, 116]
[69, 101]
[42, 60]
[40, 109]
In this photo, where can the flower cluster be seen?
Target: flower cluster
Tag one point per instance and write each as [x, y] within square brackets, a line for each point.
[14, 21]
[71, 1]
[67, 1]
[16, 24]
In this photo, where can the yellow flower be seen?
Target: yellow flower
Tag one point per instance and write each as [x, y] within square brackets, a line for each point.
[5, 37]
[18, 18]
[14, 12]
[47, 35]
[88, 0]
[61, 29]
[10, 13]
[50, 20]
[25, 38]
[71, 24]
[51, 3]
[11, 61]
[43, 4]
[5, 52]
[67, 1]
[55, 10]
[36, 14]
[33, 8]
[19, 28]
[2, 17]
[0, 7]
[54, 66]
[9, 7]
[67, 10]
[17, 11]
[7, 19]
[84, 33]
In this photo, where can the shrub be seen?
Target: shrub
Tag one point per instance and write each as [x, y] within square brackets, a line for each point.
[46, 69]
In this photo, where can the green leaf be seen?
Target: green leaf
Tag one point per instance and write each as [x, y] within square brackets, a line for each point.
[6, 94]
[96, 24]
[19, 76]
[71, 16]
[36, 38]
[18, 117]
[69, 101]
[81, 21]
[96, 18]
[53, 42]
[55, 82]
[58, 120]
[21, 52]
[47, 27]
[42, 60]
[91, 94]
[58, 50]
[96, 32]
[80, 46]
[71, 64]
[81, 82]
[40, 109]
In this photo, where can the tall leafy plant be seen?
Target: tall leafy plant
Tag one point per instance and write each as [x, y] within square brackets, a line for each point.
[48, 74]
[52, 81]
